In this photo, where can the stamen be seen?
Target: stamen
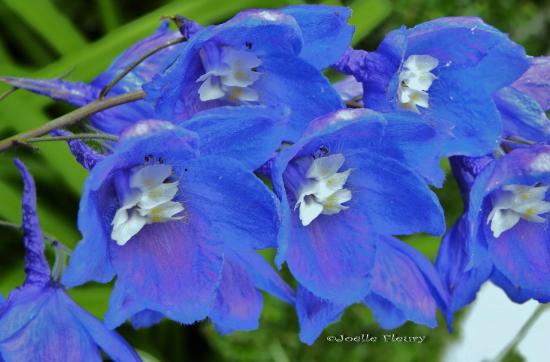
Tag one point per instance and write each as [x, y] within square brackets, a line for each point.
[515, 202]
[323, 190]
[415, 80]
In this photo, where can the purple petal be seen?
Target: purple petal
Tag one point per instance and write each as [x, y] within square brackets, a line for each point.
[84, 154]
[36, 266]
[405, 286]
[535, 81]
[315, 314]
[145, 271]
[238, 303]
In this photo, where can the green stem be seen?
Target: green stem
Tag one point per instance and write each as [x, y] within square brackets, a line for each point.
[512, 345]
[7, 93]
[137, 62]
[71, 118]
[78, 136]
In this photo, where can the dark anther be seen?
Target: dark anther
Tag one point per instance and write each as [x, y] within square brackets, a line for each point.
[185, 170]
[248, 45]
[148, 158]
[161, 161]
[324, 150]
[55, 243]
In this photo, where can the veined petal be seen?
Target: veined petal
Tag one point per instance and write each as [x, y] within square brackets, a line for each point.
[36, 265]
[238, 303]
[315, 314]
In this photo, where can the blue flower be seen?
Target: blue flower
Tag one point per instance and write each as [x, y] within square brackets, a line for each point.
[345, 189]
[288, 48]
[178, 223]
[257, 57]
[503, 234]
[39, 321]
[446, 70]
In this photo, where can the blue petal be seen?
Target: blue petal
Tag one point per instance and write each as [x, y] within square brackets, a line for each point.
[238, 303]
[301, 87]
[145, 271]
[263, 276]
[517, 293]
[325, 32]
[464, 114]
[146, 318]
[75, 93]
[489, 57]
[36, 266]
[109, 341]
[389, 196]
[405, 286]
[403, 136]
[522, 255]
[535, 82]
[45, 325]
[522, 116]
[315, 314]
[333, 256]
[452, 261]
[248, 133]
[238, 206]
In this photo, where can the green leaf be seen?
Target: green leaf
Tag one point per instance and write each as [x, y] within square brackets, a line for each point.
[367, 14]
[50, 23]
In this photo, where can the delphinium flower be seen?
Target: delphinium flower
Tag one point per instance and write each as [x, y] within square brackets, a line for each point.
[504, 206]
[267, 57]
[343, 197]
[447, 71]
[39, 321]
[178, 225]
[503, 234]
[259, 56]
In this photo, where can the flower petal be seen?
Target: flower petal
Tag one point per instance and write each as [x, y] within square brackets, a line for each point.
[247, 133]
[332, 257]
[535, 81]
[36, 266]
[315, 314]
[405, 286]
[238, 303]
[389, 195]
[325, 32]
[145, 271]
[301, 87]
[238, 206]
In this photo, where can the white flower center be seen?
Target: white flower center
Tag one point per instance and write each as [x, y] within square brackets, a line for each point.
[514, 202]
[415, 80]
[149, 201]
[323, 191]
[232, 76]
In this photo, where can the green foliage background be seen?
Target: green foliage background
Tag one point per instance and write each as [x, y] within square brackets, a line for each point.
[50, 38]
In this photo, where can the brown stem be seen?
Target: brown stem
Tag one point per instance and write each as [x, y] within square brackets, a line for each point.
[71, 118]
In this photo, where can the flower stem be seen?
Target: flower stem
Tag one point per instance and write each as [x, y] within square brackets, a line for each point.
[77, 136]
[137, 62]
[71, 118]
[512, 345]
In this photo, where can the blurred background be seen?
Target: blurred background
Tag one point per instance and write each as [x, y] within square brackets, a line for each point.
[78, 39]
